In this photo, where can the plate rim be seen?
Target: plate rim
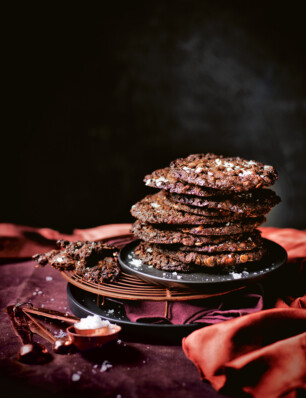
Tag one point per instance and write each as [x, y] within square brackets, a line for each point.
[162, 280]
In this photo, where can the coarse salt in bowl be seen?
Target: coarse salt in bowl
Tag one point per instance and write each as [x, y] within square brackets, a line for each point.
[93, 325]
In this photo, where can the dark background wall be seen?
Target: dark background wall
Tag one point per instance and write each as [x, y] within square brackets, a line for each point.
[99, 97]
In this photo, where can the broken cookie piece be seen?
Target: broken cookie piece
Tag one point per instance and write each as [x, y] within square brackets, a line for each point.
[95, 261]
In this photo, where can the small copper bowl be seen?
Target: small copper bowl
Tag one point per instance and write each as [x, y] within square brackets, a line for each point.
[86, 342]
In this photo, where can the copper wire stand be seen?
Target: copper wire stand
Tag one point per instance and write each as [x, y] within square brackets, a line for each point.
[129, 287]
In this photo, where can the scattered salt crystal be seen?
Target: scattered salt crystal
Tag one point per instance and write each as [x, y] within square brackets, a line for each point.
[105, 366]
[60, 334]
[136, 262]
[118, 396]
[235, 275]
[155, 205]
[34, 293]
[245, 273]
[174, 273]
[91, 322]
[245, 173]
[75, 377]
[179, 277]
[187, 169]
[111, 311]
[228, 165]
[40, 292]
[119, 341]
[160, 181]
[144, 361]
[43, 305]
[51, 299]
[49, 278]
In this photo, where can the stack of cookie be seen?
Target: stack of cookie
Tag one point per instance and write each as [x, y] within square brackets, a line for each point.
[205, 214]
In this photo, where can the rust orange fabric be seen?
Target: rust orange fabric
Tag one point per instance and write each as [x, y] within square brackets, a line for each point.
[262, 354]
[19, 241]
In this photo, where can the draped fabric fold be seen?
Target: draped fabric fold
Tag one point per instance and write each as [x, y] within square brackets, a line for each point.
[261, 354]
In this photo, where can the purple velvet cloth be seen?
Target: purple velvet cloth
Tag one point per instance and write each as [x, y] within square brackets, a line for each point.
[207, 311]
[138, 369]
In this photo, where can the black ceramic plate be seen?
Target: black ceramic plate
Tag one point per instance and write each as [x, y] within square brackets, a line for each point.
[83, 303]
[209, 279]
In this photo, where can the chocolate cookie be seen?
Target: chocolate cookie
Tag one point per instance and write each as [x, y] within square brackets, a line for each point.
[106, 270]
[95, 261]
[171, 260]
[218, 172]
[245, 243]
[203, 211]
[249, 205]
[165, 179]
[224, 259]
[165, 235]
[230, 228]
[155, 209]
[85, 251]
[152, 256]
[58, 259]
